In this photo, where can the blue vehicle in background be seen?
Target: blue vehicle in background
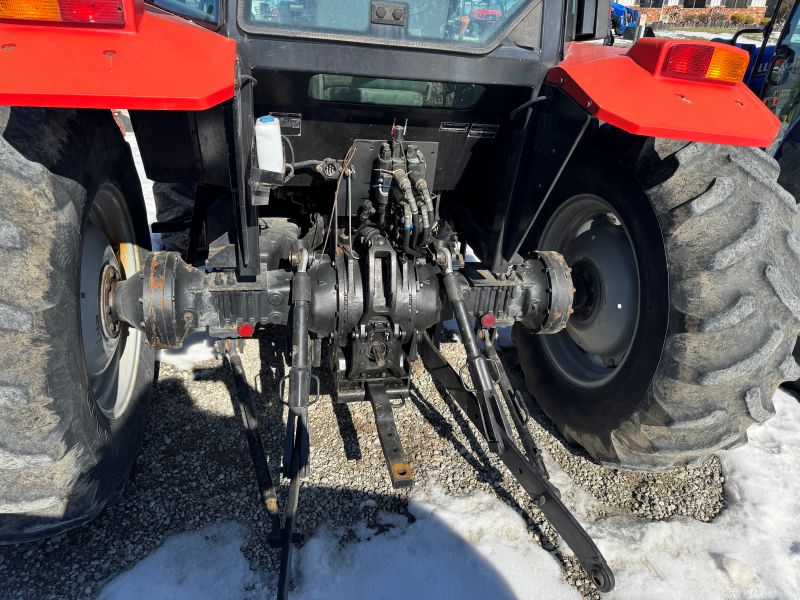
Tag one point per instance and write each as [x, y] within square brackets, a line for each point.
[774, 74]
[622, 18]
[756, 73]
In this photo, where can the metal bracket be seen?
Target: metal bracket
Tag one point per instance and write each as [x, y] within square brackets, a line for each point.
[400, 470]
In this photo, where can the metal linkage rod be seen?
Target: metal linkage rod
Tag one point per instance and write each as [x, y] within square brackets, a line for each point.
[289, 521]
[266, 487]
[476, 362]
[526, 472]
[296, 448]
[300, 374]
[514, 402]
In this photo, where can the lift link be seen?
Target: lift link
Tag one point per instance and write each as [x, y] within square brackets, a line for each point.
[514, 403]
[241, 395]
[483, 408]
[482, 383]
[300, 374]
[528, 472]
[296, 445]
[282, 535]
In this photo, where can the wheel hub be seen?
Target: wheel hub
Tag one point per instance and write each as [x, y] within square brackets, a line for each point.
[596, 244]
[110, 348]
[607, 290]
[586, 281]
[108, 285]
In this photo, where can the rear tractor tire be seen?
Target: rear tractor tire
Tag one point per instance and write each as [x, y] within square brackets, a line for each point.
[687, 302]
[74, 385]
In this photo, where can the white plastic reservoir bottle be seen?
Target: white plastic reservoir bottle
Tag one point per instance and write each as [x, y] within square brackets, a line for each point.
[269, 147]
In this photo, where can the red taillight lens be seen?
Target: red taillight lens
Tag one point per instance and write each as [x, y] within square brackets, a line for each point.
[100, 12]
[108, 12]
[705, 62]
[689, 61]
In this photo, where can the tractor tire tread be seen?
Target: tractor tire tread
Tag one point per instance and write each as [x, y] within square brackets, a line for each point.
[732, 252]
[49, 441]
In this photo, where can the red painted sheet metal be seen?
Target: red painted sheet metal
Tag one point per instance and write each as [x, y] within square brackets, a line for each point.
[617, 90]
[157, 61]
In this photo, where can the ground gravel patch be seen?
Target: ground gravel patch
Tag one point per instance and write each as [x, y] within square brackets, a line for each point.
[194, 470]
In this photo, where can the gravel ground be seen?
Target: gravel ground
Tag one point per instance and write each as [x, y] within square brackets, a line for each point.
[194, 469]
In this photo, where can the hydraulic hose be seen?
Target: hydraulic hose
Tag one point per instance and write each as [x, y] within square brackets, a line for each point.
[426, 204]
[408, 228]
[407, 199]
[382, 200]
[417, 231]
[382, 181]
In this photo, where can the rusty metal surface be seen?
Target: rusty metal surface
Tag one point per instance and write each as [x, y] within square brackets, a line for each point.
[400, 471]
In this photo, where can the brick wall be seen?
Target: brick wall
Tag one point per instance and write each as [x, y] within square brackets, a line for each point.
[678, 14]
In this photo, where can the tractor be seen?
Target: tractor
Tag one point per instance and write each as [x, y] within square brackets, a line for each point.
[335, 161]
[623, 18]
[779, 86]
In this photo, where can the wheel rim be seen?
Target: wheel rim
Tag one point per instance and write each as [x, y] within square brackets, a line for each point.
[110, 357]
[593, 238]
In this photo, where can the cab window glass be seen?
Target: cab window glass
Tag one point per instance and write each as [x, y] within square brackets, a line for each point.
[450, 22]
[201, 11]
[393, 92]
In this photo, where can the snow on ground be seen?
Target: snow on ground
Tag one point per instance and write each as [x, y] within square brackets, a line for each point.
[192, 566]
[693, 35]
[689, 34]
[752, 550]
[711, 35]
[197, 348]
[478, 547]
[468, 547]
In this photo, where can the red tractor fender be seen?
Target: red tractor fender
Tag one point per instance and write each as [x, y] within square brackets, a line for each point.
[626, 89]
[156, 61]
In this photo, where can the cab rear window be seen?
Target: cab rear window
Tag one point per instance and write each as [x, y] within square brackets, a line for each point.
[393, 92]
[454, 24]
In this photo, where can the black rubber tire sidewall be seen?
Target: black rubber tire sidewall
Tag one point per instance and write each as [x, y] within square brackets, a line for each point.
[82, 150]
[597, 411]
